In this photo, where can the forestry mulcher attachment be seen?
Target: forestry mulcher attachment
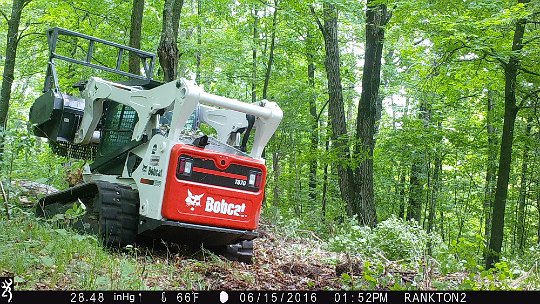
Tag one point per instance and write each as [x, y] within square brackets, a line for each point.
[153, 172]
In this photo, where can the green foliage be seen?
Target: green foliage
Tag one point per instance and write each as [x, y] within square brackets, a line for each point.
[393, 238]
[466, 253]
[74, 212]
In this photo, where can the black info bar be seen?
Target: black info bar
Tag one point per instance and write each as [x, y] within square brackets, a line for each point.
[235, 297]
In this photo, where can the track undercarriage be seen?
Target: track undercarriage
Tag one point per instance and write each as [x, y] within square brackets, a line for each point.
[112, 213]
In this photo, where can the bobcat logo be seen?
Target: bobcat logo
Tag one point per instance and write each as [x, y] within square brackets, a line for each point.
[193, 200]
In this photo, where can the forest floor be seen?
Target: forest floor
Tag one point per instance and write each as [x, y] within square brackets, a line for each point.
[280, 263]
[42, 255]
[50, 255]
[45, 257]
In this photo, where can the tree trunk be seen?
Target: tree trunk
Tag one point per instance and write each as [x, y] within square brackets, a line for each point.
[441, 216]
[434, 191]
[336, 112]
[538, 206]
[312, 99]
[254, 55]
[433, 201]
[167, 49]
[177, 12]
[135, 35]
[505, 156]
[12, 41]
[538, 192]
[369, 108]
[402, 195]
[325, 181]
[414, 210]
[271, 55]
[521, 216]
[490, 171]
[276, 168]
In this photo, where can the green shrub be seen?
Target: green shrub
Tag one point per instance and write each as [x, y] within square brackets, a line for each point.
[394, 238]
[400, 240]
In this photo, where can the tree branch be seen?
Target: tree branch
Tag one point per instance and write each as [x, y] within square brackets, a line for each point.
[527, 97]
[30, 34]
[530, 40]
[492, 53]
[25, 3]
[528, 71]
[4, 15]
[322, 109]
[321, 27]
[105, 17]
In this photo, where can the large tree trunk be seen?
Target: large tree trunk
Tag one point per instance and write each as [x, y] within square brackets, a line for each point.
[521, 216]
[135, 35]
[505, 156]
[167, 49]
[336, 110]
[377, 17]
[12, 41]
[490, 171]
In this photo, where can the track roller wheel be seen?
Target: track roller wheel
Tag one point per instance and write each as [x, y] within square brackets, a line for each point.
[242, 252]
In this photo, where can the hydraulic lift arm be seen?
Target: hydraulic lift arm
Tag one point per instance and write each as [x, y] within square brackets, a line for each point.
[182, 97]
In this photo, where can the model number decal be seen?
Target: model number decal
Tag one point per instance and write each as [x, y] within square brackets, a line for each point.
[240, 182]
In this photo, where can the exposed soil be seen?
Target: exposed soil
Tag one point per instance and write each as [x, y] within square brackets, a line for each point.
[278, 264]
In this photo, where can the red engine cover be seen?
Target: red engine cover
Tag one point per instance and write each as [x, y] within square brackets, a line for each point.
[216, 192]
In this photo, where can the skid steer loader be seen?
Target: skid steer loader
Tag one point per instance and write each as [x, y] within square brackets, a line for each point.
[153, 173]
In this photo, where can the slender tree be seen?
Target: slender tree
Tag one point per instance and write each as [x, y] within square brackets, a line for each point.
[167, 49]
[312, 100]
[254, 57]
[135, 35]
[271, 55]
[336, 112]
[505, 157]
[12, 43]
[491, 168]
[199, 43]
[522, 200]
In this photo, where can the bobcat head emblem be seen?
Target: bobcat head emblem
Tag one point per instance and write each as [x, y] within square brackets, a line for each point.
[193, 200]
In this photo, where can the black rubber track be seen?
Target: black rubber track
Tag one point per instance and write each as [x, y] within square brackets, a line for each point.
[118, 214]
